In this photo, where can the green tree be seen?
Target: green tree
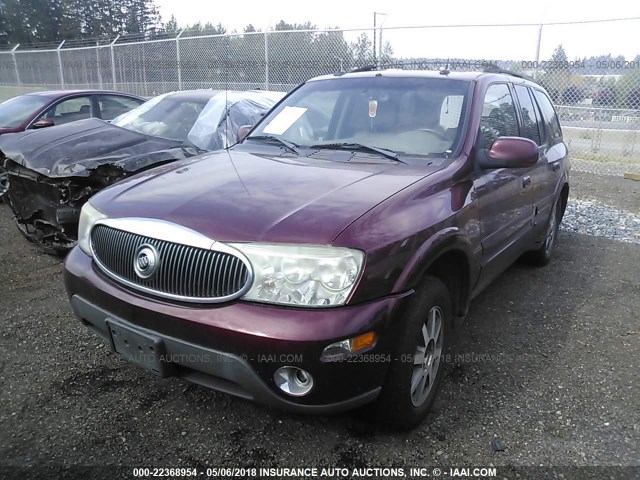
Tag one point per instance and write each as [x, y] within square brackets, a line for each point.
[212, 29]
[208, 29]
[362, 50]
[141, 16]
[171, 26]
[31, 21]
[557, 77]
[282, 25]
[558, 59]
[386, 55]
[6, 27]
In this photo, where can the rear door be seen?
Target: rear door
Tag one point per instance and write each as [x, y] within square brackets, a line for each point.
[533, 128]
[547, 175]
[504, 194]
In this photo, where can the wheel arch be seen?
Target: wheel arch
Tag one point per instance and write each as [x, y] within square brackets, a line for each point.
[449, 257]
[564, 198]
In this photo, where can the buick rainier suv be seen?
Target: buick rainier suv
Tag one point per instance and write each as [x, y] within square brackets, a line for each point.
[317, 265]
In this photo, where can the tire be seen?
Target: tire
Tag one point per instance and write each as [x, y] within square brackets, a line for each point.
[4, 183]
[414, 375]
[542, 256]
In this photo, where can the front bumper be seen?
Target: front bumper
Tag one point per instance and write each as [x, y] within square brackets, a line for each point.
[47, 210]
[220, 371]
[236, 347]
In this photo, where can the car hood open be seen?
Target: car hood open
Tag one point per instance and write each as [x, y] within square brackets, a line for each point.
[239, 196]
[75, 149]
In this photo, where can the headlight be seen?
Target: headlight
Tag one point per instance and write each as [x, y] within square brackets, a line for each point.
[313, 276]
[89, 215]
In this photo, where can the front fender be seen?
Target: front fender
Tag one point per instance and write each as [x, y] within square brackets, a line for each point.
[443, 241]
[448, 241]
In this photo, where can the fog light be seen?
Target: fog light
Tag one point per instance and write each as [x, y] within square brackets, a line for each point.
[349, 346]
[293, 381]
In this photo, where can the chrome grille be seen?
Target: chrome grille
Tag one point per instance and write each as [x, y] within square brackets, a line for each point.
[184, 272]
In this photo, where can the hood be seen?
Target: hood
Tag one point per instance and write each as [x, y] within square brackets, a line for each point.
[240, 196]
[5, 130]
[75, 148]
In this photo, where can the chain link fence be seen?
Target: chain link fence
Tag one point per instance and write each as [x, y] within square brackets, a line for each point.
[598, 100]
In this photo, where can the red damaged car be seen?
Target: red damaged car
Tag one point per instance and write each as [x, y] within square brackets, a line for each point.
[46, 109]
[318, 264]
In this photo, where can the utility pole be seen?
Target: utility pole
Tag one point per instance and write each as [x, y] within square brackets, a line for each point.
[374, 37]
[535, 72]
[375, 56]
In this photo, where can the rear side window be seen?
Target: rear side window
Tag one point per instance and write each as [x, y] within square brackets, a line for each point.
[112, 106]
[549, 114]
[529, 115]
[498, 115]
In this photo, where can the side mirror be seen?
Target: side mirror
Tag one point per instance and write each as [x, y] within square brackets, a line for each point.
[509, 152]
[43, 123]
[243, 131]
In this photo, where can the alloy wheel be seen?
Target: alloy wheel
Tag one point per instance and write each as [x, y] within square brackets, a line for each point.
[551, 231]
[4, 181]
[426, 359]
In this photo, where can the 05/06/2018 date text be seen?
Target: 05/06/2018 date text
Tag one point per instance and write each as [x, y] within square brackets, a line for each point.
[568, 64]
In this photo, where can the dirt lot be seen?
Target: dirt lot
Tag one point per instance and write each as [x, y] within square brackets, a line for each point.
[549, 367]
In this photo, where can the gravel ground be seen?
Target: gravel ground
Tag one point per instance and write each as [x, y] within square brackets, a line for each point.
[546, 363]
[593, 218]
[604, 206]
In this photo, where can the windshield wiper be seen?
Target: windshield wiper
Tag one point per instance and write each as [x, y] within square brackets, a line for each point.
[292, 147]
[358, 146]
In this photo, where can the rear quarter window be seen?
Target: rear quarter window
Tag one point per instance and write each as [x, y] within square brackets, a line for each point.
[529, 115]
[549, 114]
[112, 106]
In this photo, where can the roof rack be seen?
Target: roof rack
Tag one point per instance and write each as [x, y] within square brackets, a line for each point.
[508, 72]
[366, 68]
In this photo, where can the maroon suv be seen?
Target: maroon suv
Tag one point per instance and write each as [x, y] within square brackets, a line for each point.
[317, 265]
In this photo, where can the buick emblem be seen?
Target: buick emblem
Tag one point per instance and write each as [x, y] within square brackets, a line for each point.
[146, 261]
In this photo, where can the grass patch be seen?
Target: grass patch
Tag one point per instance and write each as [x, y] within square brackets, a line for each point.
[9, 92]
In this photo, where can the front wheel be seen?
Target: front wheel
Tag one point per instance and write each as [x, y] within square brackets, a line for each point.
[415, 373]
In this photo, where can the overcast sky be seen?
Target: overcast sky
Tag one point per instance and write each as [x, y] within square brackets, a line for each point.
[488, 43]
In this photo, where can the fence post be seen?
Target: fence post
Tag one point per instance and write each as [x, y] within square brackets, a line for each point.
[15, 64]
[98, 65]
[113, 63]
[266, 60]
[60, 63]
[178, 59]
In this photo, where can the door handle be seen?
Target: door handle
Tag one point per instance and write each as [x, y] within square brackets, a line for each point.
[526, 181]
[556, 166]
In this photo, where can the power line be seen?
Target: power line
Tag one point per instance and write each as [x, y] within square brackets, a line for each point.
[170, 36]
[460, 25]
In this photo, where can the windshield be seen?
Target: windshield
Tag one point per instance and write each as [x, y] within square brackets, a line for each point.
[16, 111]
[167, 116]
[413, 116]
